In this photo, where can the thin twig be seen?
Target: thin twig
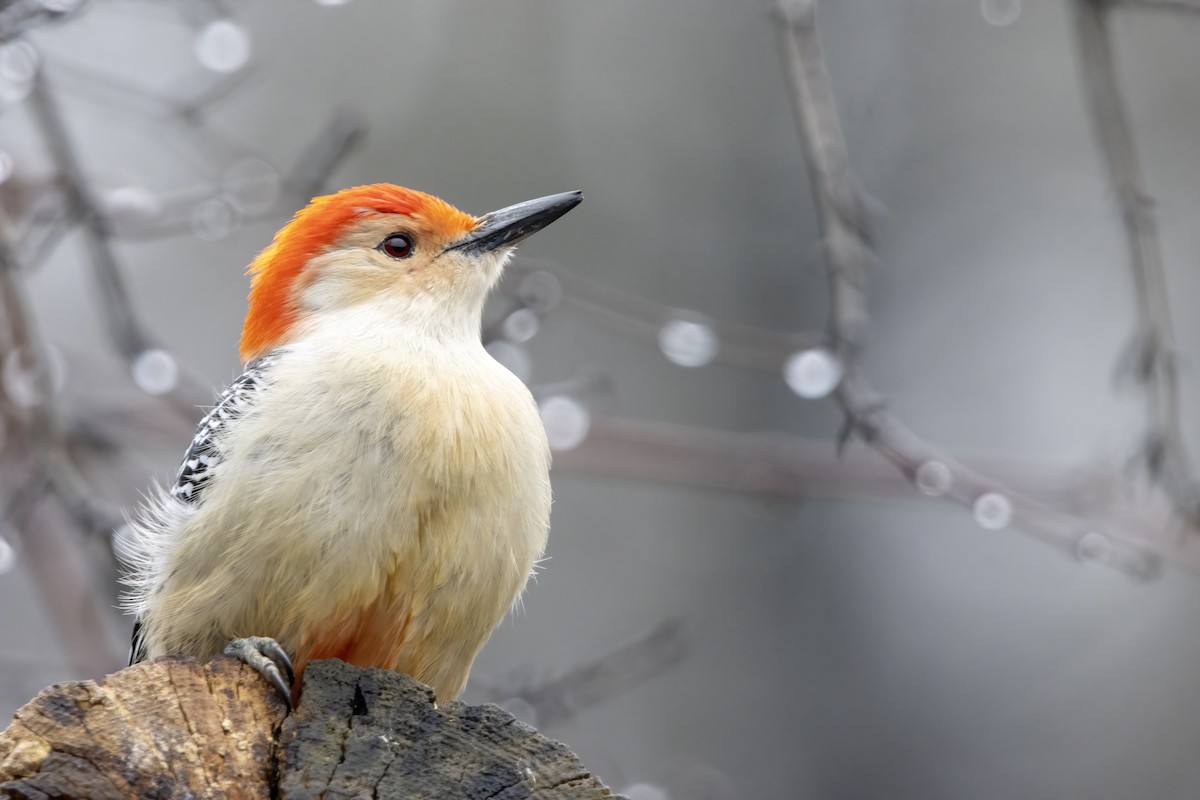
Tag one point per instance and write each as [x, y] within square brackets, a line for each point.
[123, 325]
[68, 585]
[304, 181]
[49, 221]
[1184, 6]
[18, 16]
[739, 345]
[774, 465]
[56, 563]
[124, 328]
[344, 133]
[44, 428]
[1154, 362]
[849, 252]
[559, 699]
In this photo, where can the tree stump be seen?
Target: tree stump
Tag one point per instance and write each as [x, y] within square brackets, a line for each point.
[172, 728]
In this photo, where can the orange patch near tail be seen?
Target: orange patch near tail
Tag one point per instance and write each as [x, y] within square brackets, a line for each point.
[374, 636]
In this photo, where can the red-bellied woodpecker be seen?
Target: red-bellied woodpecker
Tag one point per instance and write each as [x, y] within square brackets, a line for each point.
[374, 487]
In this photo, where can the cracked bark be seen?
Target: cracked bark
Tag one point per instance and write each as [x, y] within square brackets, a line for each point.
[174, 728]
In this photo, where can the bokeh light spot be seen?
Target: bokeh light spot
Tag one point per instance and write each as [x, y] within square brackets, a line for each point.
[214, 219]
[1095, 549]
[814, 373]
[8, 555]
[155, 371]
[223, 46]
[522, 709]
[22, 380]
[521, 325]
[540, 290]
[19, 62]
[934, 478]
[687, 343]
[993, 511]
[512, 357]
[7, 165]
[1000, 13]
[645, 791]
[131, 204]
[567, 422]
[252, 185]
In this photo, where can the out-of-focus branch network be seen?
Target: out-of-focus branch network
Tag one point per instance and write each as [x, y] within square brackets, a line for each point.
[1074, 513]
[1086, 514]
[1152, 360]
[40, 462]
[550, 702]
[849, 253]
[70, 201]
[40, 454]
[1166, 5]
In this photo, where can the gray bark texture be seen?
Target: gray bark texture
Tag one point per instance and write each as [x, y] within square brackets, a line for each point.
[173, 728]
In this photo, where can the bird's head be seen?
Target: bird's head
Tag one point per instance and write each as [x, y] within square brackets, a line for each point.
[384, 243]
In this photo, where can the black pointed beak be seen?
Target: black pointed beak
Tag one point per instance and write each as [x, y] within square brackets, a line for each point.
[510, 225]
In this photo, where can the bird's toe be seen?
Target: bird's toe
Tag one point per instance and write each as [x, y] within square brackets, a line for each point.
[266, 656]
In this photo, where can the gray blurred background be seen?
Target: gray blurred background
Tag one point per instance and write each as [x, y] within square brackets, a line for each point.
[840, 638]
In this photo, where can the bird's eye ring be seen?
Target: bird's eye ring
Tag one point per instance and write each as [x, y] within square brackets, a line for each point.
[397, 245]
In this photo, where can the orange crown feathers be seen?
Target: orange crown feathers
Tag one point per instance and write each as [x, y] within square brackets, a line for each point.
[274, 272]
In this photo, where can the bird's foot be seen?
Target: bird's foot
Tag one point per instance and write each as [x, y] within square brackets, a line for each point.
[266, 657]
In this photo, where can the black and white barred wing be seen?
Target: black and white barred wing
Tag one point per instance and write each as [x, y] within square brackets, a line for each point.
[156, 526]
[205, 451]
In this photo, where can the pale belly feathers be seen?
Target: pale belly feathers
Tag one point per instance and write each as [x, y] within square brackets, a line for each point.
[382, 509]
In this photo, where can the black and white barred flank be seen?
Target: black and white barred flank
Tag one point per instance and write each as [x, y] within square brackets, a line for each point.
[194, 475]
[204, 453]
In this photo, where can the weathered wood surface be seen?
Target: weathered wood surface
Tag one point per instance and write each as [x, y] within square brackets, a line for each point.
[172, 728]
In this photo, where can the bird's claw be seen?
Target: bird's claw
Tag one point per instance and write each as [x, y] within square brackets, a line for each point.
[265, 656]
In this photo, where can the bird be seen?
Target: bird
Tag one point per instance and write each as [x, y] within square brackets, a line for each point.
[374, 486]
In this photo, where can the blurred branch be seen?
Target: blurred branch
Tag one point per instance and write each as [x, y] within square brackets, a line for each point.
[557, 700]
[123, 325]
[344, 132]
[106, 89]
[1088, 498]
[48, 221]
[124, 328]
[47, 456]
[768, 463]
[848, 251]
[67, 586]
[746, 346]
[18, 16]
[1153, 359]
[198, 100]
[69, 202]
[43, 428]
[1166, 5]
[304, 181]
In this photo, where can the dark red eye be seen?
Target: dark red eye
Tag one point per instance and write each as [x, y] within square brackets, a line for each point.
[398, 245]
